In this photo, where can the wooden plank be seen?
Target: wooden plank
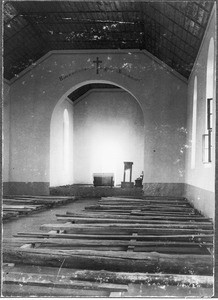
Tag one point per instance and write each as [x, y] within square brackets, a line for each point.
[9, 216]
[149, 212]
[43, 201]
[58, 282]
[115, 294]
[135, 210]
[23, 291]
[134, 225]
[33, 207]
[139, 225]
[144, 198]
[149, 204]
[38, 197]
[104, 276]
[143, 207]
[112, 260]
[195, 250]
[90, 242]
[10, 213]
[8, 208]
[182, 238]
[78, 228]
[166, 249]
[166, 213]
[119, 200]
[15, 202]
[137, 215]
[159, 279]
[164, 197]
[154, 223]
[160, 201]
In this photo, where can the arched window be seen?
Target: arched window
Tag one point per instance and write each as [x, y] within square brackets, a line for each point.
[207, 137]
[66, 140]
[194, 123]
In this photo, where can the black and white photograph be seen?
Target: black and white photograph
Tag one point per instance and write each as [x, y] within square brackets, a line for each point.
[109, 148]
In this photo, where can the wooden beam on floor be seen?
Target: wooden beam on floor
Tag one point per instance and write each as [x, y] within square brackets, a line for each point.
[144, 202]
[89, 242]
[154, 223]
[144, 198]
[112, 260]
[133, 215]
[42, 280]
[182, 238]
[104, 276]
[145, 278]
[31, 291]
[143, 207]
[140, 212]
[121, 229]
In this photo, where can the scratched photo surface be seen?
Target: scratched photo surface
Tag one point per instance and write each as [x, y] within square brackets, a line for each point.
[108, 148]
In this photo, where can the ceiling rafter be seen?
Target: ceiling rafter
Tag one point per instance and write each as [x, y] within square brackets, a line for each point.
[17, 33]
[202, 7]
[181, 12]
[169, 50]
[174, 35]
[174, 22]
[130, 24]
[75, 12]
[167, 29]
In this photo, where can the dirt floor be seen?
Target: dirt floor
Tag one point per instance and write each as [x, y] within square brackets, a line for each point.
[32, 223]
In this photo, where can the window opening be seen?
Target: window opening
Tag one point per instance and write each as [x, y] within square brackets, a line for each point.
[65, 139]
[207, 137]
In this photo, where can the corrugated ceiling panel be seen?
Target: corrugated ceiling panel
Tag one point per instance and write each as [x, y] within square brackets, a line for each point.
[176, 27]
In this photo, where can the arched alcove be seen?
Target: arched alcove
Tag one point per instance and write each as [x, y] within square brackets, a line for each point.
[66, 141]
[107, 129]
[61, 144]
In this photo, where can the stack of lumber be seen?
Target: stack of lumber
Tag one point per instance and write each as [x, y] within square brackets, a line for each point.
[162, 241]
[15, 206]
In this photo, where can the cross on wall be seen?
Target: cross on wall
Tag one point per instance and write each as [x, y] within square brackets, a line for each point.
[97, 62]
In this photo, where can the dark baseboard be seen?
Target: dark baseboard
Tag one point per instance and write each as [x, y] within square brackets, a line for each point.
[26, 188]
[86, 191]
[163, 189]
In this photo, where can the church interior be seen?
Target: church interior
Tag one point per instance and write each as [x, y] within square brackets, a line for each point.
[109, 148]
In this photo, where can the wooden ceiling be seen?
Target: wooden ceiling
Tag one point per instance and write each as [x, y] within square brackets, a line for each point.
[171, 31]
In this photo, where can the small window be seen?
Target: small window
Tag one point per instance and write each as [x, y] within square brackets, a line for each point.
[209, 113]
[65, 139]
[207, 147]
[207, 140]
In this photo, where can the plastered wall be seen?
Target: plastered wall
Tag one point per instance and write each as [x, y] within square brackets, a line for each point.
[35, 94]
[6, 131]
[200, 179]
